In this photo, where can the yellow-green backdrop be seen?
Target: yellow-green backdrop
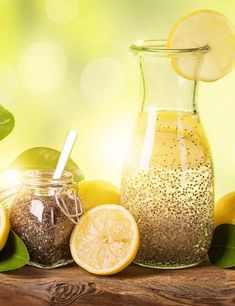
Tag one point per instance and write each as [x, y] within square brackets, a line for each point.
[65, 64]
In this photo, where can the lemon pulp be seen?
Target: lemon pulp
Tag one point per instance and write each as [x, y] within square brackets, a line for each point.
[106, 240]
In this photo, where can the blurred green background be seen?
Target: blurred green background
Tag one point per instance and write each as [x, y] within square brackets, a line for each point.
[65, 64]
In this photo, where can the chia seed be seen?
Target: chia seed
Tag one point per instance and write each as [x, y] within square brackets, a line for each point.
[43, 227]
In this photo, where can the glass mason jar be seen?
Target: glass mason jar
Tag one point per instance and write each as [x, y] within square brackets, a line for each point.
[167, 178]
[43, 214]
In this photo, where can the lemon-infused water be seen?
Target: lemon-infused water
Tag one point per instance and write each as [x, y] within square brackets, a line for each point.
[167, 184]
[167, 179]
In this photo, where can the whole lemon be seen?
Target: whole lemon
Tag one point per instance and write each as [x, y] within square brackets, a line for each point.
[96, 192]
[225, 210]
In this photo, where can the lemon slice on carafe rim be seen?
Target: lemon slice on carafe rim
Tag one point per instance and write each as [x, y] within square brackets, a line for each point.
[106, 240]
[204, 28]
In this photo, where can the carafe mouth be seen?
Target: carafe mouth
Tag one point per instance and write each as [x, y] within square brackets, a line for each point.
[44, 178]
[158, 47]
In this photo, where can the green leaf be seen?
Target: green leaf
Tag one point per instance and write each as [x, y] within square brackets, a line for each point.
[45, 159]
[7, 122]
[222, 250]
[14, 255]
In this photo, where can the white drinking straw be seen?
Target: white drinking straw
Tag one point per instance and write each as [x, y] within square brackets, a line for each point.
[70, 140]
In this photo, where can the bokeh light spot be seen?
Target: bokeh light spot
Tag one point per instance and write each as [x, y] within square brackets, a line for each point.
[8, 82]
[10, 178]
[61, 11]
[103, 80]
[43, 66]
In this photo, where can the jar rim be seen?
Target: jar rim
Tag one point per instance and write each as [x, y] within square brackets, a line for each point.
[158, 47]
[44, 178]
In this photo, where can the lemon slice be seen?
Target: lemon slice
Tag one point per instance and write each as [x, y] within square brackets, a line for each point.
[4, 227]
[204, 28]
[106, 240]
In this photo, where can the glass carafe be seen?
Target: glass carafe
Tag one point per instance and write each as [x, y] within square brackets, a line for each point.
[167, 177]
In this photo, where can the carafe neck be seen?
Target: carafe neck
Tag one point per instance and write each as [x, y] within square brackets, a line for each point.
[163, 89]
[165, 82]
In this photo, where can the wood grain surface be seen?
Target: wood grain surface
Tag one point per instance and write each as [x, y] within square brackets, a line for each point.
[202, 285]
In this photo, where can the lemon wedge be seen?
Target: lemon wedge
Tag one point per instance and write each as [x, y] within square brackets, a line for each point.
[106, 240]
[198, 29]
[4, 227]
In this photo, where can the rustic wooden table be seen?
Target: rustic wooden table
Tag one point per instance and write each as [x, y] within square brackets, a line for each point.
[202, 285]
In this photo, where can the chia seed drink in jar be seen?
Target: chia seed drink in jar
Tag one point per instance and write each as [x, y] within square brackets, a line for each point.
[43, 214]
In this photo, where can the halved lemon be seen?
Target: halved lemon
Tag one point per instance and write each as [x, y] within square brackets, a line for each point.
[198, 29]
[106, 240]
[4, 227]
